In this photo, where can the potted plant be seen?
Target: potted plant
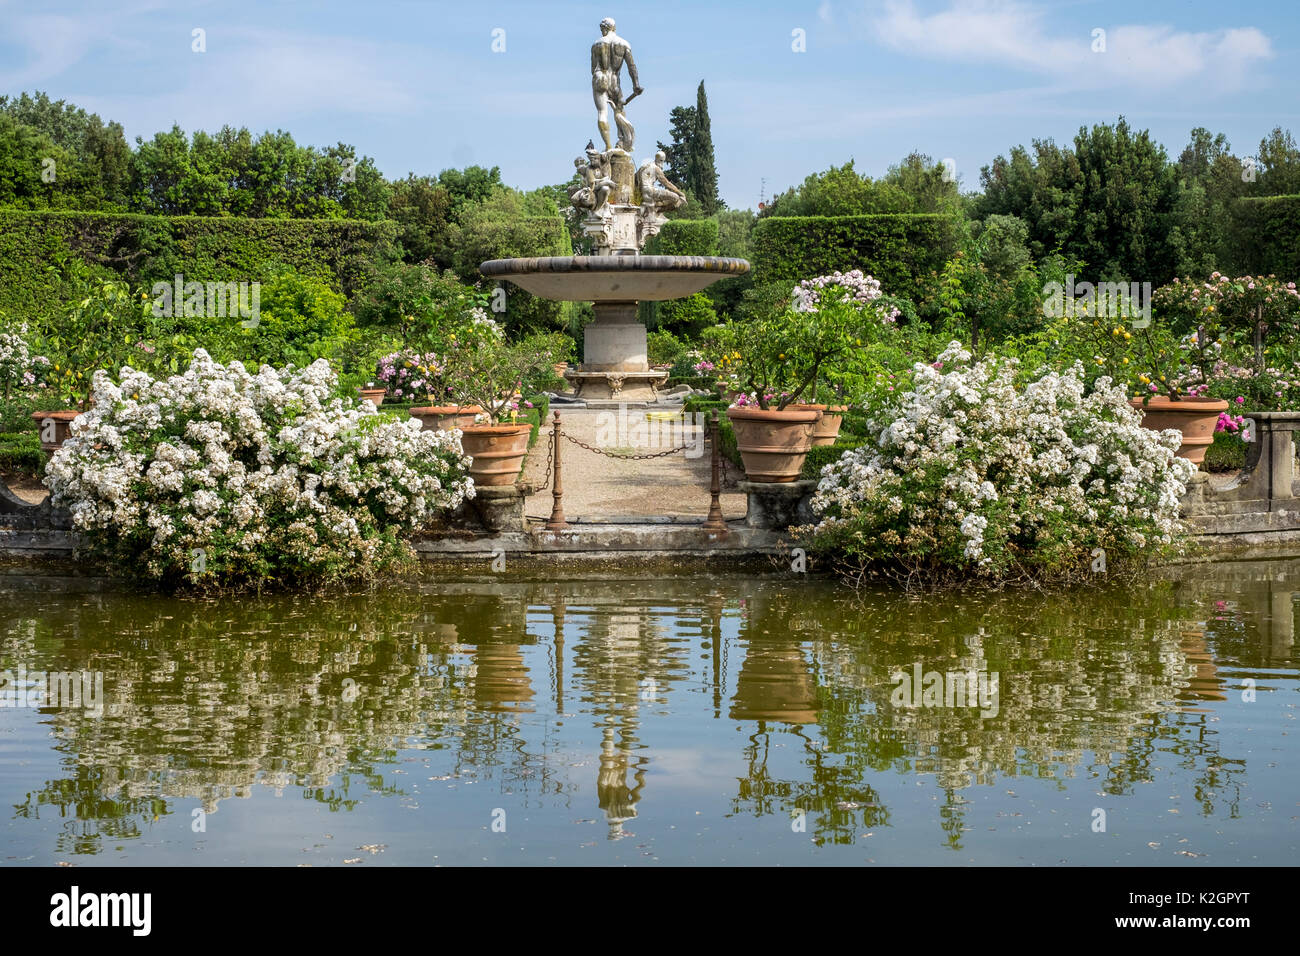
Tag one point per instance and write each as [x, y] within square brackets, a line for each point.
[778, 359]
[414, 375]
[373, 393]
[1167, 370]
[485, 370]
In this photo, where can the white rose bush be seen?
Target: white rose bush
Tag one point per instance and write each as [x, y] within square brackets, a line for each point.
[220, 478]
[978, 475]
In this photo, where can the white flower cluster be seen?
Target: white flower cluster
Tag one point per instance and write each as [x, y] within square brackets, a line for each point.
[266, 474]
[15, 358]
[479, 319]
[970, 468]
[854, 287]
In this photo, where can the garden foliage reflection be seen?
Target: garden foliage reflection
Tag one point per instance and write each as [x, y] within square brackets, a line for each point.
[207, 701]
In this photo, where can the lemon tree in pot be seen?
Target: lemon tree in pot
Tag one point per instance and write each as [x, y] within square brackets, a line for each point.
[1166, 361]
[778, 361]
[482, 368]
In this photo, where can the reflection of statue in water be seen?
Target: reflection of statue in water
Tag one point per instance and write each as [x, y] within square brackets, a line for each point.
[608, 54]
[613, 795]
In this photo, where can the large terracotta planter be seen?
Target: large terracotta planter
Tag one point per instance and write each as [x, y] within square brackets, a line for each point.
[443, 418]
[62, 421]
[1196, 418]
[828, 426]
[498, 452]
[375, 395]
[772, 444]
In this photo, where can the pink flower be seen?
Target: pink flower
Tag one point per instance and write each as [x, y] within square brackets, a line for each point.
[1239, 400]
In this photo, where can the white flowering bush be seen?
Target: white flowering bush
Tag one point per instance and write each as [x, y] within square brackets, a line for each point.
[224, 478]
[19, 368]
[971, 474]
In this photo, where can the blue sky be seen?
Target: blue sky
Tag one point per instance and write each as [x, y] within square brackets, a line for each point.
[417, 86]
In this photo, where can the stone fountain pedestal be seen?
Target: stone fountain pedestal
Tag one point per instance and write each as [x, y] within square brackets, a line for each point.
[615, 368]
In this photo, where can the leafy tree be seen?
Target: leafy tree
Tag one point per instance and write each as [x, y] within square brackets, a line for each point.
[98, 150]
[839, 191]
[469, 186]
[1109, 201]
[423, 208]
[1279, 161]
[681, 123]
[921, 178]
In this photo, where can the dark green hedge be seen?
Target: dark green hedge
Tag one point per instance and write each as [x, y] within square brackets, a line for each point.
[147, 249]
[685, 237]
[20, 454]
[899, 250]
[679, 237]
[523, 238]
[1266, 237]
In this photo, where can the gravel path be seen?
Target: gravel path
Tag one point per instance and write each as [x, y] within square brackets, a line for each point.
[597, 486]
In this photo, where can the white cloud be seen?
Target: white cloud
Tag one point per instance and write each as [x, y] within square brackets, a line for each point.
[1019, 35]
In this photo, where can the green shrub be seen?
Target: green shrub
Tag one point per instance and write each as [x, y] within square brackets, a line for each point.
[899, 250]
[685, 237]
[1267, 236]
[20, 454]
[1228, 453]
[147, 249]
[663, 347]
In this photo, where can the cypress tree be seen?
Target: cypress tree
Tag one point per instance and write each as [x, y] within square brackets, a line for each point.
[702, 174]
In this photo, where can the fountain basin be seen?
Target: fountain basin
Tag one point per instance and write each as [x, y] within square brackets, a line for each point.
[614, 278]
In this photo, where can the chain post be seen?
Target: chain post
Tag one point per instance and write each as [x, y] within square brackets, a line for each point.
[715, 522]
[557, 522]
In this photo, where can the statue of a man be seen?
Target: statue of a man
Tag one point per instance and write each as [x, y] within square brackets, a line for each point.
[595, 187]
[649, 176]
[608, 54]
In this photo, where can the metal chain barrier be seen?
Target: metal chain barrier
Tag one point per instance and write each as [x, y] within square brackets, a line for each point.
[550, 460]
[610, 454]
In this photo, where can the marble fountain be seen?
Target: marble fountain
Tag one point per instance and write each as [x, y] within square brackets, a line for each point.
[622, 205]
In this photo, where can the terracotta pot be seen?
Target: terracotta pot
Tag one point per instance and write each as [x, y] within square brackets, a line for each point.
[773, 444]
[62, 422]
[444, 418]
[376, 395]
[1196, 418]
[498, 452]
[561, 368]
[828, 426]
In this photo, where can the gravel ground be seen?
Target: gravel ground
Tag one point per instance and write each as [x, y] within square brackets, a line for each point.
[597, 486]
[28, 489]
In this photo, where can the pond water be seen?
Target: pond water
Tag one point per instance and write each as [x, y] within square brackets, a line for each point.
[716, 720]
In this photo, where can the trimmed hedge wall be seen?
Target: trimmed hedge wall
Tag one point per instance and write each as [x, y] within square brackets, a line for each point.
[523, 238]
[1267, 237]
[685, 237]
[679, 237]
[898, 249]
[146, 249]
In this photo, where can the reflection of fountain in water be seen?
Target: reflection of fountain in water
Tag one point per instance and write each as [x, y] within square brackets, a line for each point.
[501, 681]
[1202, 682]
[624, 659]
[775, 683]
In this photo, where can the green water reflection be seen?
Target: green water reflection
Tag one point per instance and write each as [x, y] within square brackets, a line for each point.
[712, 719]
